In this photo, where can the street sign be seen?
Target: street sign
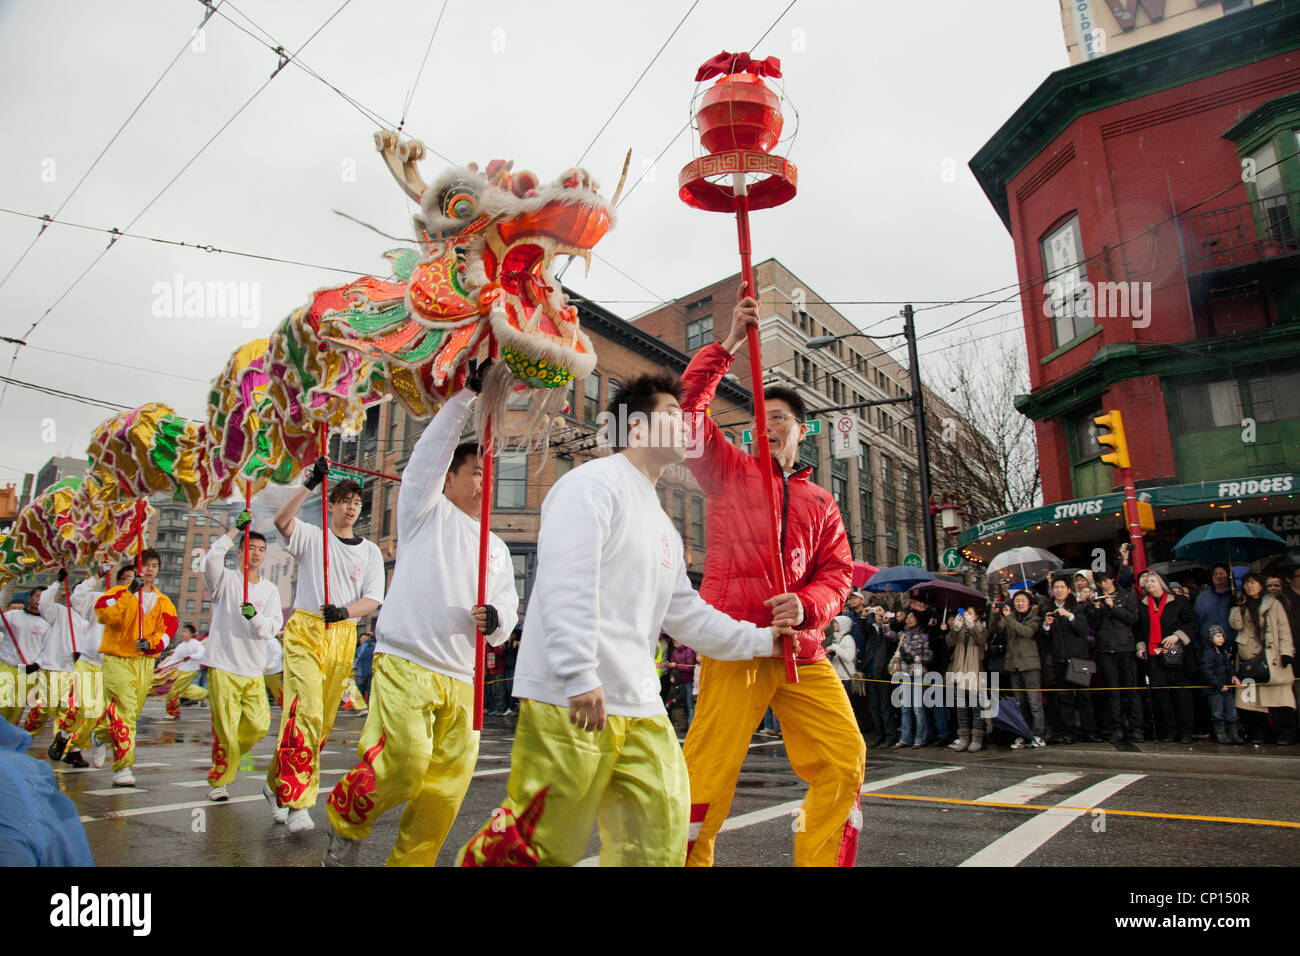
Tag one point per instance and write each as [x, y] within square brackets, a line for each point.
[336, 476]
[814, 428]
[913, 560]
[951, 559]
[844, 437]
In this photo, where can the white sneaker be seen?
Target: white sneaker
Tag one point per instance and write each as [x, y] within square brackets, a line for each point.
[1019, 743]
[218, 794]
[278, 813]
[123, 778]
[98, 754]
[1037, 743]
[300, 821]
[341, 851]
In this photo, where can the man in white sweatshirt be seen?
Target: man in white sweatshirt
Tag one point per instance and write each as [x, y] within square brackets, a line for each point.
[74, 728]
[186, 658]
[419, 745]
[22, 638]
[58, 659]
[593, 740]
[236, 654]
[319, 638]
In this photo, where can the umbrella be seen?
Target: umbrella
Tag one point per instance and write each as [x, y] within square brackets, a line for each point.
[1177, 570]
[948, 595]
[1022, 563]
[861, 572]
[1228, 541]
[1282, 562]
[1009, 718]
[897, 579]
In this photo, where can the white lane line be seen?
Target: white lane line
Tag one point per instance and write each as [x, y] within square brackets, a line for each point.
[1026, 790]
[143, 766]
[493, 756]
[109, 791]
[779, 810]
[887, 782]
[191, 783]
[1011, 848]
[491, 773]
[73, 769]
[168, 807]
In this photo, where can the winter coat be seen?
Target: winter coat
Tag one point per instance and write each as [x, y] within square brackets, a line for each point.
[916, 651]
[1022, 645]
[1278, 643]
[968, 641]
[880, 648]
[1212, 607]
[1114, 625]
[1177, 620]
[1217, 666]
[681, 664]
[815, 551]
[1067, 637]
[844, 656]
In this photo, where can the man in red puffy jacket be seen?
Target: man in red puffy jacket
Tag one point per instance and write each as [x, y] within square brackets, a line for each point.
[821, 737]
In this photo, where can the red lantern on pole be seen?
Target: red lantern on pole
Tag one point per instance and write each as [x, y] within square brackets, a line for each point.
[740, 122]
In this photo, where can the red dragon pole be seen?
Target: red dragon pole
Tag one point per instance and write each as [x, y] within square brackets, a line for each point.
[484, 529]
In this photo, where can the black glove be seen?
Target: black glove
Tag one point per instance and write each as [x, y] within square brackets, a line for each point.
[493, 619]
[62, 575]
[76, 656]
[33, 668]
[244, 520]
[248, 610]
[333, 614]
[137, 583]
[318, 473]
[143, 646]
[1286, 661]
[475, 380]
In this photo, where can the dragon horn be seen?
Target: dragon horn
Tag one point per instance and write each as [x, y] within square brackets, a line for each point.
[621, 179]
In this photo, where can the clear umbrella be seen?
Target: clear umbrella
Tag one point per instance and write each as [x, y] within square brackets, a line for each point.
[1023, 564]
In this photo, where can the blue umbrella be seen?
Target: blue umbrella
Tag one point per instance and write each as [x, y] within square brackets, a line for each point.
[1010, 718]
[1228, 541]
[897, 579]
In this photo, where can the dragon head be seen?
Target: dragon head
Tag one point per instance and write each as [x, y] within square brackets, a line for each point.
[487, 241]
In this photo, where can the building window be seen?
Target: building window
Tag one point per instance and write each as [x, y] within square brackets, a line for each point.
[679, 512]
[591, 398]
[1066, 287]
[808, 457]
[867, 503]
[1207, 405]
[699, 333]
[887, 475]
[385, 523]
[663, 497]
[563, 465]
[512, 481]
[524, 565]
[697, 522]
[891, 546]
[189, 607]
[913, 544]
[840, 491]
[1089, 474]
[394, 419]
[194, 585]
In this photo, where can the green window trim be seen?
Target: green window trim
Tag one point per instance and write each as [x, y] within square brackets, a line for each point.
[1074, 342]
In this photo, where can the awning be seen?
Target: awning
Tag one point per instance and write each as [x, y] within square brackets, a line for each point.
[1101, 518]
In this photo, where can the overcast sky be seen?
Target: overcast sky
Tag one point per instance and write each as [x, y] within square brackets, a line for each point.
[890, 96]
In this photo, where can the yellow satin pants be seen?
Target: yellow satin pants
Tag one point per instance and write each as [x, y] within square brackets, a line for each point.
[126, 685]
[54, 694]
[87, 705]
[418, 747]
[14, 684]
[630, 779]
[317, 659]
[821, 738]
[240, 718]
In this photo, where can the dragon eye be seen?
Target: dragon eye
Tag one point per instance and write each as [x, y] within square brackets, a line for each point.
[459, 200]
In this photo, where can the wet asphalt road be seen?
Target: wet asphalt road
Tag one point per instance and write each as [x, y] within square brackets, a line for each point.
[166, 820]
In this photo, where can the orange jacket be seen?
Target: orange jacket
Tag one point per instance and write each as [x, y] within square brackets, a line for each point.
[119, 611]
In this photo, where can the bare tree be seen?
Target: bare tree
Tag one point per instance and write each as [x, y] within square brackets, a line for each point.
[978, 380]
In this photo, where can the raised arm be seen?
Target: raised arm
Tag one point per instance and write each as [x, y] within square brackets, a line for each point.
[425, 472]
[285, 518]
[214, 565]
[712, 459]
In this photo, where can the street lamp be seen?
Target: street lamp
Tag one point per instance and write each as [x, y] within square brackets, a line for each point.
[918, 419]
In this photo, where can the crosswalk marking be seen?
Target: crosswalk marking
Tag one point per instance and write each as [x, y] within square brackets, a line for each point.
[168, 807]
[1026, 790]
[1012, 848]
[109, 791]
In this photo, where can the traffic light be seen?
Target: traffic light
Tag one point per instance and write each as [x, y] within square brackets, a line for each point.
[1118, 458]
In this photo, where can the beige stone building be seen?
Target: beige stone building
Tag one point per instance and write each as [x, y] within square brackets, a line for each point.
[1094, 28]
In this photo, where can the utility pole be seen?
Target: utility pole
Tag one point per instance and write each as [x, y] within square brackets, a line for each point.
[922, 444]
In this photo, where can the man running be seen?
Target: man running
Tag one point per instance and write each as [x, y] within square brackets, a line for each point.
[419, 745]
[58, 659]
[129, 659]
[21, 644]
[319, 639]
[235, 652]
[594, 742]
[821, 736]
